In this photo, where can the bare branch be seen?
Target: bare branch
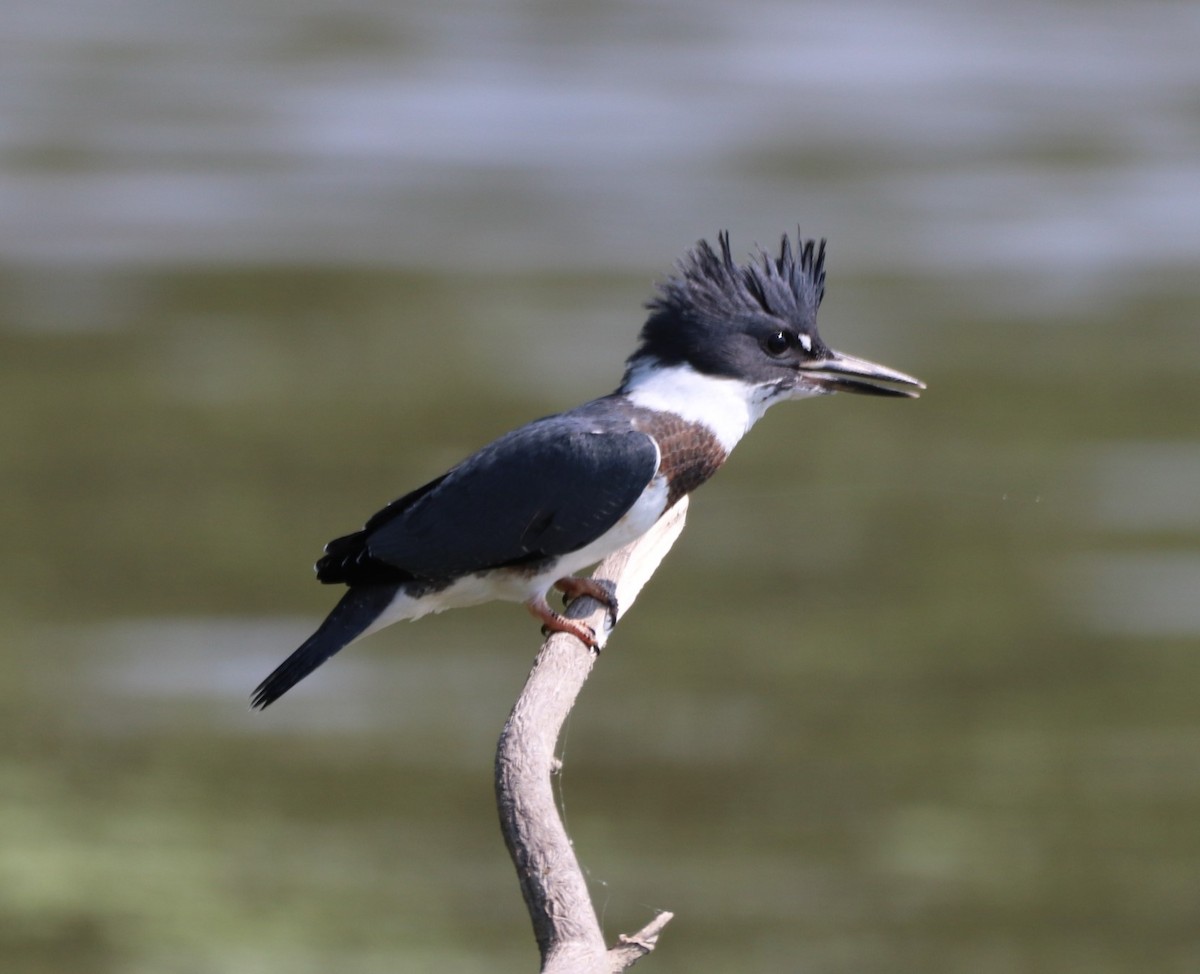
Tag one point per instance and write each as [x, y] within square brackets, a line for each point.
[564, 920]
[633, 947]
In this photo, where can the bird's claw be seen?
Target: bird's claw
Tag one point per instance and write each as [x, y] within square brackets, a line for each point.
[584, 633]
[553, 622]
[573, 588]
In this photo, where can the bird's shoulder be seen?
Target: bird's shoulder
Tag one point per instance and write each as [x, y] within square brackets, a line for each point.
[550, 454]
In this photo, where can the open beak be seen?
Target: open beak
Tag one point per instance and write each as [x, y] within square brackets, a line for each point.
[845, 373]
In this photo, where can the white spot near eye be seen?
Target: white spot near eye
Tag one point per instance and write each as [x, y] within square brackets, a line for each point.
[805, 341]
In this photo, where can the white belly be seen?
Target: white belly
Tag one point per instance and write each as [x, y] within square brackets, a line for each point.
[517, 585]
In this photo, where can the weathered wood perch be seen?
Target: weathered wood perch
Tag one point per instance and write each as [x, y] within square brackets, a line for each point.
[564, 920]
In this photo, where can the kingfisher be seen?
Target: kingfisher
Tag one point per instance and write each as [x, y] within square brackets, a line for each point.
[722, 343]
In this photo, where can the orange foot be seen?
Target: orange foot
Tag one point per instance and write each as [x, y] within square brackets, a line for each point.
[572, 588]
[557, 622]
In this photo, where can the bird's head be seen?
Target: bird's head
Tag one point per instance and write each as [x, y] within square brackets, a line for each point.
[756, 323]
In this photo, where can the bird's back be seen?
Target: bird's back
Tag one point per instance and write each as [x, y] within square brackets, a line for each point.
[542, 490]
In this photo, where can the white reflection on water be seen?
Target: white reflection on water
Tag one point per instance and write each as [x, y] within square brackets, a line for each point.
[933, 135]
[1147, 593]
[1145, 486]
[458, 695]
[220, 660]
[1141, 488]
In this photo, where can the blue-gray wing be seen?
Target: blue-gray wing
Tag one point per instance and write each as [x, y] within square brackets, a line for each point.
[546, 489]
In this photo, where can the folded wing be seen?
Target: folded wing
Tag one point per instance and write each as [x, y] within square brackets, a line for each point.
[546, 489]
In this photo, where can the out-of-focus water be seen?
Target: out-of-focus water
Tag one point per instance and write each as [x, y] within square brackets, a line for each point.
[916, 691]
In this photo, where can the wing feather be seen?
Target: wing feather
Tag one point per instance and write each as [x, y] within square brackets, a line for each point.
[546, 489]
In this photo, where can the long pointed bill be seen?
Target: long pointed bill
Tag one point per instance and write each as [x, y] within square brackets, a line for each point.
[845, 373]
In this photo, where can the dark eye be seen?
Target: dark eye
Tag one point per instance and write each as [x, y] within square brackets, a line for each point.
[778, 343]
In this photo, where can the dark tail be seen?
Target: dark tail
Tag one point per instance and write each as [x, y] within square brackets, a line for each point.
[359, 607]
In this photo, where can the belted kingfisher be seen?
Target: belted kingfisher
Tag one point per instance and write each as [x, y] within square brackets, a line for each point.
[722, 343]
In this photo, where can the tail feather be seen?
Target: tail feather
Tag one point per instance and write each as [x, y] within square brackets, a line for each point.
[359, 607]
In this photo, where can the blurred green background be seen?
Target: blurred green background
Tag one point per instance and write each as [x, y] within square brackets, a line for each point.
[915, 692]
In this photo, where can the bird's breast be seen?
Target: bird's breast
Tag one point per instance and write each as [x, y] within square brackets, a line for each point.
[689, 452]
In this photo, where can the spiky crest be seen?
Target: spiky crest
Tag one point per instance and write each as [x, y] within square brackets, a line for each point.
[710, 298]
[709, 285]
